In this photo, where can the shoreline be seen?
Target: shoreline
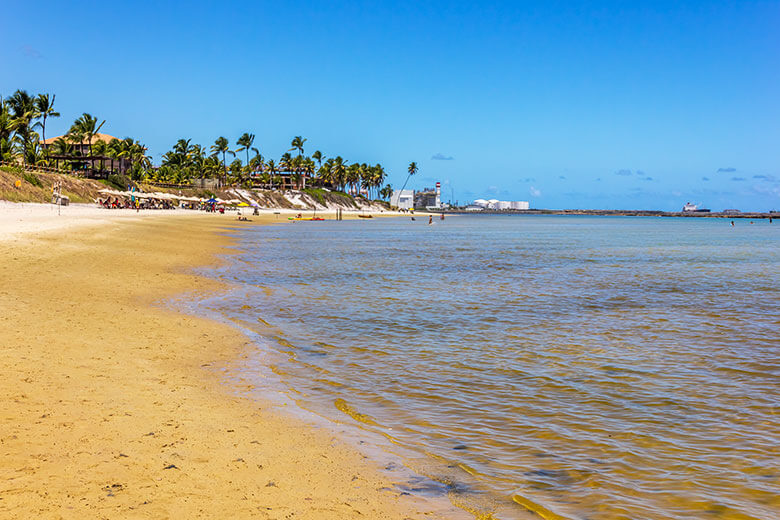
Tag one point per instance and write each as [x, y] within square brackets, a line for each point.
[614, 213]
[117, 406]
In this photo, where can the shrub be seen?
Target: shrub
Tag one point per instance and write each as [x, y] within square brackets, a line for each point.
[317, 194]
[32, 179]
[120, 182]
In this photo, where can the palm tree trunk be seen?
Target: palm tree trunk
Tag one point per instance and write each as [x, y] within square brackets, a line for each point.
[224, 167]
[43, 135]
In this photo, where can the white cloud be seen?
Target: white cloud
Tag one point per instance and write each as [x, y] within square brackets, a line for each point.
[534, 192]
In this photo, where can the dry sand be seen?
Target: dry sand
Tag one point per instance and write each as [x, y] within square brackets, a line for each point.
[113, 407]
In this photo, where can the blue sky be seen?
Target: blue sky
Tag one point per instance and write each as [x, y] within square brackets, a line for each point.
[565, 104]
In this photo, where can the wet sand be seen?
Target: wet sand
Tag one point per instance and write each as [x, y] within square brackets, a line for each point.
[115, 407]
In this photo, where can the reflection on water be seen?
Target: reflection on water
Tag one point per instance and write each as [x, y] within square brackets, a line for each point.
[580, 367]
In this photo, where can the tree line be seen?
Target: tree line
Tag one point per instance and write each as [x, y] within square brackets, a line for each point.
[22, 116]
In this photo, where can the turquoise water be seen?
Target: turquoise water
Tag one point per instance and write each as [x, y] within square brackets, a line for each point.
[580, 367]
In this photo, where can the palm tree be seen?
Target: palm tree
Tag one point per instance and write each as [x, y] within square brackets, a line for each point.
[285, 162]
[272, 169]
[44, 108]
[317, 156]
[197, 155]
[412, 169]
[101, 149]
[6, 130]
[386, 192]
[212, 167]
[324, 173]
[87, 127]
[221, 146]
[338, 172]
[182, 147]
[22, 108]
[245, 143]
[63, 147]
[297, 144]
[256, 163]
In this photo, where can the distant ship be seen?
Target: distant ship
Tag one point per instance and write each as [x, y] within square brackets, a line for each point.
[693, 208]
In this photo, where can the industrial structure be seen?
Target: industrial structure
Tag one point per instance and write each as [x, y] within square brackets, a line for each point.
[428, 198]
[501, 205]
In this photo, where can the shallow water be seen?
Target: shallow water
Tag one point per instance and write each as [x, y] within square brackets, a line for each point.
[581, 367]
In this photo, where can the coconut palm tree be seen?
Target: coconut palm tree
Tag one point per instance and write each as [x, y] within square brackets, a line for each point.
[63, 147]
[272, 169]
[256, 163]
[6, 131]
[197, 156]
[412, 169]
[386, 192]
[317, 156]
[308, 167]
[87, 127]
[101, 149]
[324, 176]
[221, 145]
[339, 173]
[286, 162]
[245, 143]
[236, 172]
[44, 108]
[379, 176]
[212, 167]
[22, 109]
[297, 144]
[182, 147]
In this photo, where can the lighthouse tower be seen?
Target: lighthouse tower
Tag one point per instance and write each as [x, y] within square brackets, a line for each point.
[438, 194]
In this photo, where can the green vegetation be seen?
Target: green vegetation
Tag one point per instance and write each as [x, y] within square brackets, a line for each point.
[324, 197]
[84, 151]
[412, 169]
[22, 115]
[32, 179]
[317, 194]
[118, 182]
[11, 169]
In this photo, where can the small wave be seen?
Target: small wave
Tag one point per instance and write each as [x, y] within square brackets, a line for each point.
[539, 509]
[342, 406]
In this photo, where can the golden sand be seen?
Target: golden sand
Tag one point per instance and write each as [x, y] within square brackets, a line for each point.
[115, 408]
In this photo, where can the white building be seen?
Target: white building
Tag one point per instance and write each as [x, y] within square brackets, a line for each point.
[502, 205]
[402, 199]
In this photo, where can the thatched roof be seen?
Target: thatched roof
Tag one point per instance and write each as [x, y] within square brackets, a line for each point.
[95, 138]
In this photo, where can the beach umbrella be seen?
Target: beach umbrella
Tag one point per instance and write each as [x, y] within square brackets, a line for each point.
[212, 200]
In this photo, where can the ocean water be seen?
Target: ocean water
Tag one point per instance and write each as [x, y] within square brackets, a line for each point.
[578, 367]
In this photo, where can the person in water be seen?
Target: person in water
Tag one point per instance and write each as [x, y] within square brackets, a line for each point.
[430, 219]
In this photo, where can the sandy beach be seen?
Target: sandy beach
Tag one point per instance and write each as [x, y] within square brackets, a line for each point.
[115, 406]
